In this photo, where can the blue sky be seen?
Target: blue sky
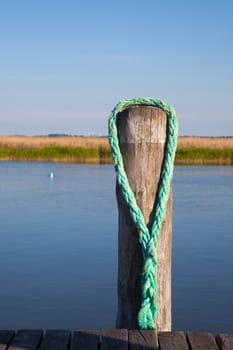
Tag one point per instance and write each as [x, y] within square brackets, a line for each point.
[66, 63]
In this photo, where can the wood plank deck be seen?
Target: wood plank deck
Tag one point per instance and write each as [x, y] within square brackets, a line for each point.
[114, 339]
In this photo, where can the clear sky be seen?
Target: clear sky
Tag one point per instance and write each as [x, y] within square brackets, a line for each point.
[64, 64]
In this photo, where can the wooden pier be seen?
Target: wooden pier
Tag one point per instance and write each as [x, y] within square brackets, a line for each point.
[114, 339]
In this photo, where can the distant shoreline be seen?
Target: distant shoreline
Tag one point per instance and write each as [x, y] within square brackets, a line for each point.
[96, 150]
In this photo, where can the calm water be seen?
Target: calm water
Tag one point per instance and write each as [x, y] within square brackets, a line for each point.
[58, 252]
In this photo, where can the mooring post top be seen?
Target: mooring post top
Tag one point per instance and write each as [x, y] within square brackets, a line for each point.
[148, 104]
[142, 124]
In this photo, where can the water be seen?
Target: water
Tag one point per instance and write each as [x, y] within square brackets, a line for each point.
[203, 245]
[58, 252]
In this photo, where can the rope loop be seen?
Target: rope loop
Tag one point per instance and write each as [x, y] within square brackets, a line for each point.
[148, 240]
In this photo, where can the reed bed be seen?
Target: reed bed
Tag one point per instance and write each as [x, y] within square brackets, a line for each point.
[55, 149]
[39, 142]
[191, 150]
[215, 143]
[205, 151]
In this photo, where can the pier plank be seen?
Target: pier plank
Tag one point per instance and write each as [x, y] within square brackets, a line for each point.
[85, 340]
[172, 341]
[198, 341]
[56, 340]
[225, 341]
[5, 338]
[26, 339]
[139, 340]
[114, 339]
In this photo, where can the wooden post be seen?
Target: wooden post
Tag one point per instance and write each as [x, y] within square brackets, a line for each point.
[142, 136]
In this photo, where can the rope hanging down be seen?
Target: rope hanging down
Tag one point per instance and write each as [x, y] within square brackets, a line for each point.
[148, 240]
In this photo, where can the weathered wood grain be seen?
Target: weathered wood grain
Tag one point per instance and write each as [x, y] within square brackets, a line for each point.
[56, 340]
[114, 339]
[26, 339]
[198, 341]
[85, 340]
[173, 341]
[225, 341]
[5, 338]
[142, 135]
[139, 340]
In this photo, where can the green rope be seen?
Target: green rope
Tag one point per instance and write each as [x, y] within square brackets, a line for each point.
[148, 240]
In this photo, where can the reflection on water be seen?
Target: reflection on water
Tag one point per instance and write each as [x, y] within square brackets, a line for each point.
[58, 252]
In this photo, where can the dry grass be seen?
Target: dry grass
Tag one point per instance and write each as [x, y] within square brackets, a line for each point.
[30, 142]
[205, 142]
[191, 150]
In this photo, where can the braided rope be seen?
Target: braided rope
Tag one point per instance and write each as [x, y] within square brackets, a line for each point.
[148, 240]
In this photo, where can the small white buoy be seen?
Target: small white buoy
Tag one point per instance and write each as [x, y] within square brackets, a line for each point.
[51, 175]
